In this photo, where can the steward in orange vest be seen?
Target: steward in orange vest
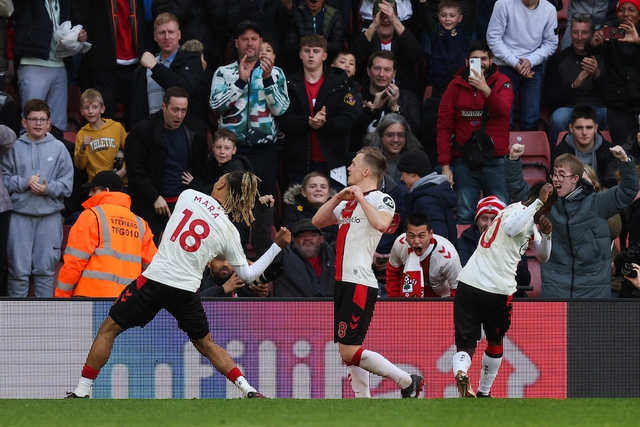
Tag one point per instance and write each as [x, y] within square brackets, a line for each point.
[108, 247]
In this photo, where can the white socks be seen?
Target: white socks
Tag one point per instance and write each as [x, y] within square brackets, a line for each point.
[359, 379]
[377, 364]
[84, 387]
[490, 367]
[461, 362]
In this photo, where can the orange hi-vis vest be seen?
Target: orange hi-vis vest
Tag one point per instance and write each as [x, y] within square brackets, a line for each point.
[108, 248]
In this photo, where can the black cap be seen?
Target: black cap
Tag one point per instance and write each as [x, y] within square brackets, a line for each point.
[247, 24]
[106, 179]
[305, 225]
[414, 161]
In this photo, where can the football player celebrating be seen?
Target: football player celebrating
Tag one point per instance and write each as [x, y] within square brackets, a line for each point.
[363, 214]
[487, 283]
[197, 231]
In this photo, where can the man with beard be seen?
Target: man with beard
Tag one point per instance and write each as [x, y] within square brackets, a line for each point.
[221, 281]
[309, 265]
[422, 264]
[460, 115]
[572, 78]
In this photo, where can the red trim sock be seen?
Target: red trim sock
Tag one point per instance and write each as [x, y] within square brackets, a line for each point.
[355, 360]
[89, 372]
[234, 374]
[494, 351]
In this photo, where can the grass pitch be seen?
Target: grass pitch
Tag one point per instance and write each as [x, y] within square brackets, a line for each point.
[321, 412]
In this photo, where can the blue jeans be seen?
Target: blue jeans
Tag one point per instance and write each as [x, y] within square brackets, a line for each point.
[488, 179]
[560, 119]
[527, 91]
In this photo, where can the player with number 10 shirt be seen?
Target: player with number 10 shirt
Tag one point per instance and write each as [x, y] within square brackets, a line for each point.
[197, 231]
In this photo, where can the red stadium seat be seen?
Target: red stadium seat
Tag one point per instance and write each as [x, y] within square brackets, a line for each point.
[70, 136]
[428, 91]
[536, 158]
[605, 134]
[560, 136]
[75, 120]
[461, 228]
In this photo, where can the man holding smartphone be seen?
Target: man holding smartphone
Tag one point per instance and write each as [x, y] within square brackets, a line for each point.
[460, 114]
[622, 68]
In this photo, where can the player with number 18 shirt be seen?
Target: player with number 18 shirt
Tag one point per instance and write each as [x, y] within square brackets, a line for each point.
[197, 231]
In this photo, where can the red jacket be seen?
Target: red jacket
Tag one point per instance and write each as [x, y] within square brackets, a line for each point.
[460, 113]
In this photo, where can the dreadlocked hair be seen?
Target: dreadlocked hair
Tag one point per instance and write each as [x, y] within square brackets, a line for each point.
[243, 192]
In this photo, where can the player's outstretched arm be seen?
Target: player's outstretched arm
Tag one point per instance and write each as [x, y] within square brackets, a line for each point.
[248, 273]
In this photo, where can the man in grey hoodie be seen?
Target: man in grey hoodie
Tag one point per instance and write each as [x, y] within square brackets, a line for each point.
[584, 142]
[38, 173]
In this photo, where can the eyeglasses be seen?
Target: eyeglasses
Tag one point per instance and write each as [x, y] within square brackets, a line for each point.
[34, 120]
[392, 135]
[581, 16]
[558, 177]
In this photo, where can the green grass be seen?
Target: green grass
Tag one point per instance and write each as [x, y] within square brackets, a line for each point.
[321, 412]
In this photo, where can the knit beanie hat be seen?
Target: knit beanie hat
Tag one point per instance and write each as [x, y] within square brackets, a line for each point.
[490, 205]
[7, 135]
[414, 161]
[636, 3]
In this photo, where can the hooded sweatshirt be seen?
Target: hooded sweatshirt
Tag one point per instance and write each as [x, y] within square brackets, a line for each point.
[105, 143]
[50, 159]
[599, 157]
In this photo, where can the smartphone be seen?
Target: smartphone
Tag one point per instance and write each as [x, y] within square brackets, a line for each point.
[475, 64]
[612, 33]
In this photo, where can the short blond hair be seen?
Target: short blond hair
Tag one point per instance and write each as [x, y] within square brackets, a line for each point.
[163, 18]
[91, 95]
[374, 160]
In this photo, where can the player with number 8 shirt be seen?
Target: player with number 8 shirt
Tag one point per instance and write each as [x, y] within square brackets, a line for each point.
[198, 231]
[487, 282]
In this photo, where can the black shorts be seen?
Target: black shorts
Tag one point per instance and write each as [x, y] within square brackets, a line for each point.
[141, 301]
[472, 308]
[353, 311]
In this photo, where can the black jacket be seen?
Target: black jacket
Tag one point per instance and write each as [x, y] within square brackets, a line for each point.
[621, 62]
[407, 49]
[368, 119]
[561, 71]
[185, 71]
[602, 160]
[34, 28]
[333, 30]
[97, 18]
[334, 136]
[300, 278]
[146, 153]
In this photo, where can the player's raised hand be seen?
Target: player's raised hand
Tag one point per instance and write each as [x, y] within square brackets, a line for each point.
[516, 151]
[545, 226]
[545, 191]
[283, 237]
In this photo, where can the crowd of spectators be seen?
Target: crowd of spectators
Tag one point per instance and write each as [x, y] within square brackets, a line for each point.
[177, 93]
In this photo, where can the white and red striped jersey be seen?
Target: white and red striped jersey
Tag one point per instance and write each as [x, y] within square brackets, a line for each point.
[357, 239]
[492, 267]
[197, 231]
[432, 274]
